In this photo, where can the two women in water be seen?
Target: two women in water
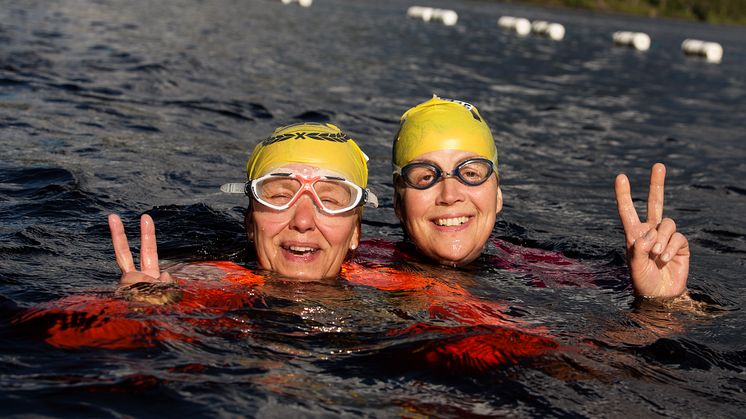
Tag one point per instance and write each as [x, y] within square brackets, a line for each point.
[307, 185]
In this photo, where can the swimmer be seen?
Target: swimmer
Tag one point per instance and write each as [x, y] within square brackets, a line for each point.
[447, 196]
[307, 184]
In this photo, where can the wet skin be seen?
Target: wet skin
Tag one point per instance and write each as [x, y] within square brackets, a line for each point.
[657, 254]
[299, 242]
[449, 222]
[302, 242]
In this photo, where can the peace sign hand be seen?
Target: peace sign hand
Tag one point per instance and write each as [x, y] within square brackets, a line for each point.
[657, 255]
[149, 270]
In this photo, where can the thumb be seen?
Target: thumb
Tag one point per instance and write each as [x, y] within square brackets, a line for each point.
[640, 252]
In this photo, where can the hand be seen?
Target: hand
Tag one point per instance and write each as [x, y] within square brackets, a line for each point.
[149, 270]
[657, 255]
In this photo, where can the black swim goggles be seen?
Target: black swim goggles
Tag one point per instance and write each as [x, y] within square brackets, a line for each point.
[423, 175]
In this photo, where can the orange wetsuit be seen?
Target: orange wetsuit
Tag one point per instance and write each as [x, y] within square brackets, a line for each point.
[466, 333]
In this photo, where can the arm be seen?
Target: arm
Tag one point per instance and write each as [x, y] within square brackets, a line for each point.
[657, 255]
[149, 270]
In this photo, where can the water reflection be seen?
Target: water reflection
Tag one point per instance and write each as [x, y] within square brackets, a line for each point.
[132, 107]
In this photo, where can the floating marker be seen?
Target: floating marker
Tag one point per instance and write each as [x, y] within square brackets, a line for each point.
[553, 31]
[520, 25]
[444, 16]
[419, 12]
[304, 3]
[637, 40]
[712, 51]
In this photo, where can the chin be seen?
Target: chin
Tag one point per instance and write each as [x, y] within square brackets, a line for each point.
[456, 263]
[455, 260]
[306, 275]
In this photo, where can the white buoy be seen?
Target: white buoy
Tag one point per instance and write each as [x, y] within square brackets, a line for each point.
[304, 3]
[416, 12]
[637, 40]
[712, 51]
[553, 31]
[444, 16]
[520, 25]
[427, 14]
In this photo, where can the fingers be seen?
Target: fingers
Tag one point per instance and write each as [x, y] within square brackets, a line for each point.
[121, 246]
[148, 247]
[134, 277]
[677, 246]
[166, 277]
[664, 244]
[666, 229]
[655, 193]
[627, 212]
[639, 255]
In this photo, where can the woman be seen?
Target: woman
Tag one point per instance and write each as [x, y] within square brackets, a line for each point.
[447, 195]
[306, 184]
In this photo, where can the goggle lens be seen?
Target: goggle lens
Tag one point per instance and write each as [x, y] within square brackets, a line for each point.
[281, 190]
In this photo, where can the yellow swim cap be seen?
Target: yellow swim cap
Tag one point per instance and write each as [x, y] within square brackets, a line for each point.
[442, 124]
[319, 145]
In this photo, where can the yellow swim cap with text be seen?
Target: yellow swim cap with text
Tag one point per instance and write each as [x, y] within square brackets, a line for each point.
[442, 124]
[319, 145]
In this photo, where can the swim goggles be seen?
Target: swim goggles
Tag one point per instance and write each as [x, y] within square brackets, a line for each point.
[280, 190]
[423, 175]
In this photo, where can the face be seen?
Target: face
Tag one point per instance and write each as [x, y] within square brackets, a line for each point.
[450, 222]
[301, 241]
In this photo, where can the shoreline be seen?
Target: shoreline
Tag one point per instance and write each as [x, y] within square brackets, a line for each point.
[729, 12]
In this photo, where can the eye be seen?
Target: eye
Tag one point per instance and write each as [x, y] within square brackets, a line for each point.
[470, 174]
[475, 172]
[421, 176]
[278, 191]
[280, 196]
[334, 195]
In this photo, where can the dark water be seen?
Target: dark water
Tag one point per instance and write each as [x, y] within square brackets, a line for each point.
[116, 106]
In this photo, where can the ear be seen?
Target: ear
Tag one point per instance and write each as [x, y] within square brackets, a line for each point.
[499, 203]
[247, 224]
[397, 203]
[355, 240]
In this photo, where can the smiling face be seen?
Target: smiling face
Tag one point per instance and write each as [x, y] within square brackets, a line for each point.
[301, 241]
[450, 222]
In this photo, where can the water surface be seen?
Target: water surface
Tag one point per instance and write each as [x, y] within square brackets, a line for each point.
[115, 106]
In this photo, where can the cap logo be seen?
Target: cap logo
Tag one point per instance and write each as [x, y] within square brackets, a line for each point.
[469, 107]
[336, 137]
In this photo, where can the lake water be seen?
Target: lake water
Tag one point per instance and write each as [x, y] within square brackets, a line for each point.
[131, 107]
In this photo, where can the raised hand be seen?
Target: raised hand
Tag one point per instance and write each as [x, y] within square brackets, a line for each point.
[149, 270]
[657, 255]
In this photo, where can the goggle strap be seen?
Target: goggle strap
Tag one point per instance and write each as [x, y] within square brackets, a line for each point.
[235, 187]
[370, 199]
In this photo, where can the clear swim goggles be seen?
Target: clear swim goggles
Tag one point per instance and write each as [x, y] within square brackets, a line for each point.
[423, 175]
[280, 190]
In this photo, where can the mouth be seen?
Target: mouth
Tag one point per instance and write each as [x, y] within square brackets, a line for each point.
[297, 250]
[451, 222]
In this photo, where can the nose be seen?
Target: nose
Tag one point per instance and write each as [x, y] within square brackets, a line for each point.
[451, 191]
[304, 215]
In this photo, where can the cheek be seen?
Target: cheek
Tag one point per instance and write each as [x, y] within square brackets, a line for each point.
[414, 205]
[338, 234]
[486, 199]
[265, 228]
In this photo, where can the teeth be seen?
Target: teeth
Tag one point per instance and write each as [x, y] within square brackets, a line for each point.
[451, 221]
[301, 249]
